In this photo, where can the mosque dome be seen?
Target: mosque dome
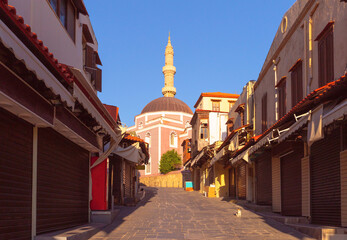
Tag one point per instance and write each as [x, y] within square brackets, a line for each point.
[169, 104]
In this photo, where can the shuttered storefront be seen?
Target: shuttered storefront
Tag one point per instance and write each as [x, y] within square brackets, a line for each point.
[62, 182]
[197, 179]
[325, 180]
[16, 144]
[117, 179]
[232, 183]
[127, 180]
[291, 183]
[241, 180]
[264, 179]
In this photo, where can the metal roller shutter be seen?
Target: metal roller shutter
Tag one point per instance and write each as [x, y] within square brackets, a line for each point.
[264, 179]
[197, 180]
[325, 180]
[62, 182]
[127, 182]
[241, 181]
[117, 179]
[232, 186]
[16, 144]
[291, 183]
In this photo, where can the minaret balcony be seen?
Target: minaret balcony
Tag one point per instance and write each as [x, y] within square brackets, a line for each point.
[169, 68]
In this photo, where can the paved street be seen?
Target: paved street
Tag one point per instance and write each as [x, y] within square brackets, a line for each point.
[168, 213]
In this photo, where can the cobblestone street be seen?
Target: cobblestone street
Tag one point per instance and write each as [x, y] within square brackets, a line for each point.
[169, 213]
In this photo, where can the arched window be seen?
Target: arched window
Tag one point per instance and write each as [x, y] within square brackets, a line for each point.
[148, 139]
[173, 139]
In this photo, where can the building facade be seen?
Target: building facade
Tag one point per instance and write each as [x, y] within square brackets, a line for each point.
[52, 121]
[296, 148]
[164, 123]
[209, 130]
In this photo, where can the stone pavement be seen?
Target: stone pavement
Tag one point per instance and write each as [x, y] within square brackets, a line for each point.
[171, 213]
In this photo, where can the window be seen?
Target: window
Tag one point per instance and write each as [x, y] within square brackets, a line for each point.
[203, 131]
[91, 59]
[216, 106]
[173, 139]
[230, 105]
[54, 4]
[148, 139]
[264, 113]
[296, 80]
[326, 55]
[148, 166]
[66, 13]
[70, 20]
[281, 88]
[140, 125]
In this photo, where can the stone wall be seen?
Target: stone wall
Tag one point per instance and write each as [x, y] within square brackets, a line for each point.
[172, 179]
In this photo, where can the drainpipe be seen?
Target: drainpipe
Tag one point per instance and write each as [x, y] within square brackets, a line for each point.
[310, 71]
[247, 102]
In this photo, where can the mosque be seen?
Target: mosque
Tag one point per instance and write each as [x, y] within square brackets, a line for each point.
[164, 122]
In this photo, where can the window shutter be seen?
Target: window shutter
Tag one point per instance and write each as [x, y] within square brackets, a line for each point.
[71, 20]
[329, 57]
[321, 62]
[90, 57]
[282, 98]
[299, 83]
[98, 78]
[264, 112]
[294, 86]
[326, 57]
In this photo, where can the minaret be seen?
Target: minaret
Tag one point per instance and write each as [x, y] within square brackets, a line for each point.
[169, 71]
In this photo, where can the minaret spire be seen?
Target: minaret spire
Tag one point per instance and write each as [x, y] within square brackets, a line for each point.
[169, 71]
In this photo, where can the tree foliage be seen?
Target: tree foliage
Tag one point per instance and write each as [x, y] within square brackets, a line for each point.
[169, 161]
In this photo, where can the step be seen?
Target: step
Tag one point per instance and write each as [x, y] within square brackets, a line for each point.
[321, 232]
[286, 219]
[252, 206]
[258, 208]
[83, 232]
[103, 216]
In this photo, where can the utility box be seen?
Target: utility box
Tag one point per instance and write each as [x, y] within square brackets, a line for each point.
[99, 185]
[189, 186]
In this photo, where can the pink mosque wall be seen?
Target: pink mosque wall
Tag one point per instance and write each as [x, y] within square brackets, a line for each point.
[164, 142]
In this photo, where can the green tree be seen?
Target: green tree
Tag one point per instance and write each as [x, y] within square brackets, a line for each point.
[169, 161]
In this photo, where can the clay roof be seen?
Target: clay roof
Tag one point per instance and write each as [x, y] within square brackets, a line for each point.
[216, 94]
[132, 138]
[170, 104]
[113, 111]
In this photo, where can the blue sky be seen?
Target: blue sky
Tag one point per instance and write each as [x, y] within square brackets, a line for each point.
[219, 46]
